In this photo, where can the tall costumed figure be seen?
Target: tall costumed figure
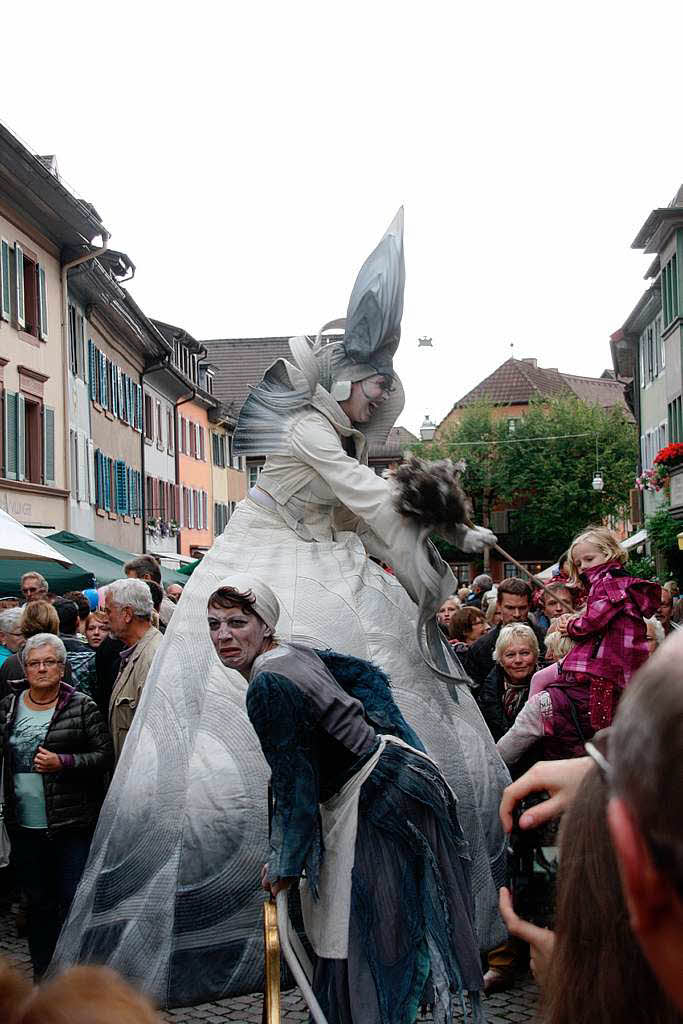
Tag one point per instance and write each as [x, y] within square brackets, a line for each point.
[171, 894]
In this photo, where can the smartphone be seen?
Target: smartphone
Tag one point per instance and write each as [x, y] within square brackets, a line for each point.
[532, 860]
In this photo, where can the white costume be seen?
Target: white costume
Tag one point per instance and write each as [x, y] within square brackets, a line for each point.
[170, 896]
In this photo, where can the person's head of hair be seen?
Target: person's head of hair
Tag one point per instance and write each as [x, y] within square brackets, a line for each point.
[134, 594]
[606, 543]
[482, 583]
[45, 640]
[68, 615]
[156, 592]
[597, 971]
[672, 587]
[655, 630]
[143, 567]
[39, 617]
[557, 644]
[86, 995]
[174, 592]
[464, 592]
[9, 602]
[563, 562]
[81, 601]
[32, 584]
[645, 753]
[96, 628]
[515, 585]
[557, 600]
[462, 623]
[492, 611]
[14, 990]
[10, 620]
[517, 632]
[230, 597]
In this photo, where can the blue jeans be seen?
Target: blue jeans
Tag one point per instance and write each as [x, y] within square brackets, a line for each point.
[49, 868]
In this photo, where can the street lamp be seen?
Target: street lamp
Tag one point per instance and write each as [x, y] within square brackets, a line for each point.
[428, 429]
[598, 482]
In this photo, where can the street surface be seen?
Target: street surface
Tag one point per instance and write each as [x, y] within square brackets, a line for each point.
[517, 1005]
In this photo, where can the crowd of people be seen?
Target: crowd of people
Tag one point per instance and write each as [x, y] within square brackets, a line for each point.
[72, 668]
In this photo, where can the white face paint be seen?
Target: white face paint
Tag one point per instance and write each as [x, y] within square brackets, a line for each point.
[366, 397]
[239, 637]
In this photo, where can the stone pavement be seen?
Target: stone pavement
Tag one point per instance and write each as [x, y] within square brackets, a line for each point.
[517, 1005]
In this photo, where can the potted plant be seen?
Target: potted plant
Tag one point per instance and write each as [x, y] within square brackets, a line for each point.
[173, 528]
[669, 463]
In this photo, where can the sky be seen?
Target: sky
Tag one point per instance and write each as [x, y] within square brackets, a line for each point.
[249, 156]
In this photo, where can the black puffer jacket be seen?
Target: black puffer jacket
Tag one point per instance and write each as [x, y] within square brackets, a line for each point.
[77, 731]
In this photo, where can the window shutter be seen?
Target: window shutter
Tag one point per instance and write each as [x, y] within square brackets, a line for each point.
[176, 503]
[107, 483]
[155, 510]
[91, 472]
[82, 467]
[205, 510]
[21, 437]
[139, 406]
[99, 480]
[202, 449]
[48, 445]
[42, 303]
[11, 435]
[5, 307]
[92, 383]
[19, 284]
[103, 381]
[80, 345]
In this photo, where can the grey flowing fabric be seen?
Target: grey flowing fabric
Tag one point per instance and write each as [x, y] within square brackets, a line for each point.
[170, 896]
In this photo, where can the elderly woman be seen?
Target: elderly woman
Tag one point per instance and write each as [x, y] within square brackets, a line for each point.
[466, 626]
[358, 804]
[655, 634]
[506, 687]
[55, 750]
[11, 636]
[36, 617]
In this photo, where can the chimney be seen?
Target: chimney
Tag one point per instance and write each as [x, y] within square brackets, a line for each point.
[532, 362]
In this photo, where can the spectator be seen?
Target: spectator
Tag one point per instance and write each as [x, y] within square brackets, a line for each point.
[129, 607]
[480, 585]
[492, 610]
[555, 600]
[79, 655]
[446, 612]
[673, 589]
[463, 594]
[85, 995]
[655, 634]
[83, 605]
[466, 626]
[34, 587]
[174, 592]
[665, 611]
[36, 617]
[146, 567]
[591, 968]
[157, 598]
[9, 602]
[506, 687]
[513, 600]
[96, 629]
[10, 633]
[56, 750]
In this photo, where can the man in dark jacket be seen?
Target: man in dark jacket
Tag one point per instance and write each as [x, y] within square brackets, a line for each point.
[513, 602]
[79, 655]
[480, 586]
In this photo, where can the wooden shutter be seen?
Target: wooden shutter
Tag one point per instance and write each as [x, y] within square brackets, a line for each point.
[156, 505]
[205, 510]
[176, 503]
[92, 383]
[19, 284]
[80, 346]
[21, 437]
[49, 447]
[5, 305]
[42, 303]
[92, 497]
[11, 435]
[202, 449]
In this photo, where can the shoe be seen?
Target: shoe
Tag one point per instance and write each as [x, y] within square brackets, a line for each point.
[497, 981]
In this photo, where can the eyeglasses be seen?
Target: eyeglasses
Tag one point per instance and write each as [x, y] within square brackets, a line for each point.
[601, 761]
[46, 662]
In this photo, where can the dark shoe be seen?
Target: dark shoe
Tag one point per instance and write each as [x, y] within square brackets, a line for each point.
[497, 981]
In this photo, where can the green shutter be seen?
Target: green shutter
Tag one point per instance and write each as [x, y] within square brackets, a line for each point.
[42, 303]
[19, 283]
[107, 483]
[48, 445]
[21, 437]
[5, 306]
[92, 384]
[11, 435]
[99, 476]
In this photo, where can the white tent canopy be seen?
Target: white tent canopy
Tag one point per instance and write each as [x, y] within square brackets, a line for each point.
[18, 542]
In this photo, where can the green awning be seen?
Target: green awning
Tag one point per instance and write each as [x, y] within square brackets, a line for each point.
[188, 569]
[109, 560]
[59, 578]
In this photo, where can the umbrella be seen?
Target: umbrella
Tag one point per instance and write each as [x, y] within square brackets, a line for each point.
[18, 542]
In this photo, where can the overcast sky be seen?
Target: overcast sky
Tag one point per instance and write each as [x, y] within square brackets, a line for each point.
[248, 156]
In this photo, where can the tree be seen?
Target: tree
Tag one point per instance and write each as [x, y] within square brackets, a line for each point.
[546, 483]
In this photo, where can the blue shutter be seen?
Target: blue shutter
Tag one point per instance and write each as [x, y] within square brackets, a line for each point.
[139, 407]
[42, 303]
[92, 383]
[104, 382]
[99, 483]
[11, 435]
[48, 445]
[5, 306]
[107, 483]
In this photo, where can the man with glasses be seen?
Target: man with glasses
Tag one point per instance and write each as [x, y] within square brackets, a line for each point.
[10, 634]
[34, 587]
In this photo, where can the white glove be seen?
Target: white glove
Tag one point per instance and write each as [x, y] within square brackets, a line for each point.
[473, 541]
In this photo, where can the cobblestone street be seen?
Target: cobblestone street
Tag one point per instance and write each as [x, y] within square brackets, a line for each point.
[518, 1005]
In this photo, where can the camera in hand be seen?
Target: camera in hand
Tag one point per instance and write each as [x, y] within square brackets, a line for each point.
[532, 866]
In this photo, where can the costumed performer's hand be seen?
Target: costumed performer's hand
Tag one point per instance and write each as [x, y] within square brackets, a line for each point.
[274, 889]
[473, 540]
[560, 778]
[541, 940]
[46, 761]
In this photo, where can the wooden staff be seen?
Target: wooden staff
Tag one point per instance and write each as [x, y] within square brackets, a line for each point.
[534, 579]
[271, 997]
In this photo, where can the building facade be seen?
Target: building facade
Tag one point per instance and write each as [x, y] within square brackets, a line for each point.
[42, 227]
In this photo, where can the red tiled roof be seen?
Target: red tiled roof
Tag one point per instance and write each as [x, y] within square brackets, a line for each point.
[398, 440]
[240, 364]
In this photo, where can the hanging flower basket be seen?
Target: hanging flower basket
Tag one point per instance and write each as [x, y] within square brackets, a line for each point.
[654, 479]
[670, 457]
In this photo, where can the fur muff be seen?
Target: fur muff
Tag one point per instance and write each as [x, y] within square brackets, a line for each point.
[430, 491]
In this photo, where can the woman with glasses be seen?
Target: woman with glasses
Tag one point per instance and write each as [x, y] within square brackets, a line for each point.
[55, 750]
[11, 637]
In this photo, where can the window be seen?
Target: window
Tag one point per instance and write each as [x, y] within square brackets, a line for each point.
[76, 343]
[500, 521]
[218, 449]
[117, 486]
[182, 432]
[202, 445]
[30, 293]
[221, 515]
[160, 426]
[675, 422]
[169, 431]
[512, 425]
[669, 279]
[254, 473]
[510, 570]
[5, 301]
[193, 438]
[29, 439]
[148, 418]
[462, 572]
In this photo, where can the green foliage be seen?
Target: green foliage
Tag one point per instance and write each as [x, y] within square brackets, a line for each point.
[643, 567]
[547, 484]
[662, 529]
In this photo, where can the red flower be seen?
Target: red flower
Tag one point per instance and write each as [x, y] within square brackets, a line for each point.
[672, 453]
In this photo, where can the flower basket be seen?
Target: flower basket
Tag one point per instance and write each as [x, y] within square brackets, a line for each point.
[654, 479]
[670, 456]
